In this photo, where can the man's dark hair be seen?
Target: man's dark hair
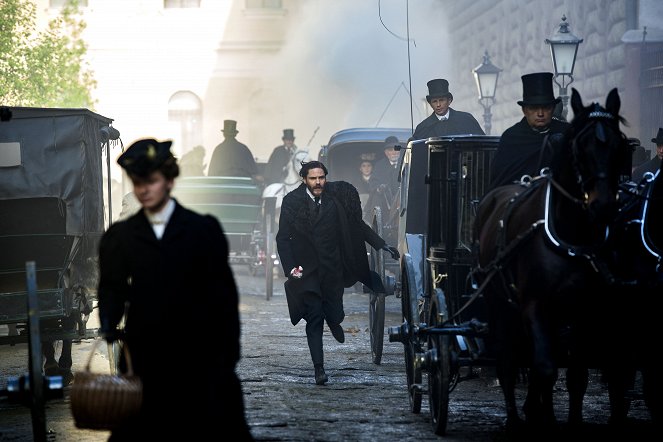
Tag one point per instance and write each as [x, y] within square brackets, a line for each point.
[303, 172]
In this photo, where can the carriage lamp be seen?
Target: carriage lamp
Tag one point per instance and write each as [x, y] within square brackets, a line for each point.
[486, 75]
[564, 49]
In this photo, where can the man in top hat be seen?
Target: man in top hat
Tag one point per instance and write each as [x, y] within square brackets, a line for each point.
[276, 168]
[232, 158]
[159, 267]
[520, 149]
[385, 170]
[444, 120]
[655, 163]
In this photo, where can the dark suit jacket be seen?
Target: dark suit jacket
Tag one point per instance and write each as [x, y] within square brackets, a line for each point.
[181, 296]
[275, 167]
[519, 152]
[458, 123]
[296, 242]
[232, 158]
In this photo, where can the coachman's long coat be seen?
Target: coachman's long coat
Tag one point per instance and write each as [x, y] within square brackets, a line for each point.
[296, 245]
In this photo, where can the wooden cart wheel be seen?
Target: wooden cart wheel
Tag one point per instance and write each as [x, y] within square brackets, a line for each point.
[439, 374]
[411, 346]
[377, 299]
[269, 259]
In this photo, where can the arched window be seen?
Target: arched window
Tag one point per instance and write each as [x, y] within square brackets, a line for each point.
[186, 114]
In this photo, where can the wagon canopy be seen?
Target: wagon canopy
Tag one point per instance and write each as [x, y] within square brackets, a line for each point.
[47, 152]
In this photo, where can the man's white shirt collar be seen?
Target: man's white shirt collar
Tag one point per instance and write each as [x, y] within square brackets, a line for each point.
[160, 219]
[443, 117]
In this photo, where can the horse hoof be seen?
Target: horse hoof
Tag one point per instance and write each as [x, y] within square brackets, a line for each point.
[51, 368]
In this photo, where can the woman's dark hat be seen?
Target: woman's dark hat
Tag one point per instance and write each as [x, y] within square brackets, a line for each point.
[538, 89]
[230, 127]
[145, 156]
[659, 137]
[288, 134]
[438, 88]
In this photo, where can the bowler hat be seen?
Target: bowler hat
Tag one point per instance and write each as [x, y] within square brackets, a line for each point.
[438, 88]
[230, 127]
[145, 156]
[390, 142]
[659, 137]
[288, 134]
[538, 90]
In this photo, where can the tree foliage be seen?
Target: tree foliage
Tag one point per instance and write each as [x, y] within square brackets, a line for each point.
[43, 68]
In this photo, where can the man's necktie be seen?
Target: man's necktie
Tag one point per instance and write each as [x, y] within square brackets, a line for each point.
[317, 204]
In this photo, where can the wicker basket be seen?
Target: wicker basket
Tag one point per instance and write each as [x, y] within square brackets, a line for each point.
[105, 401]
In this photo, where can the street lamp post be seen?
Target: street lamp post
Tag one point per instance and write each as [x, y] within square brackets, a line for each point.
[485, 76]
[563, 49]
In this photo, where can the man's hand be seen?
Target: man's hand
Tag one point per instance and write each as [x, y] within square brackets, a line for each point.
[393, 251]
[296, 272]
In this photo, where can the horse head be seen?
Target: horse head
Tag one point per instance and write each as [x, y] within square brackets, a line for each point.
[598, 152]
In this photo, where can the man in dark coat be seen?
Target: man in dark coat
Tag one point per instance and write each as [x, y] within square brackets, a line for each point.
[275, 169]
[444, 120]
[655, 163]
[321, 244]
[232, 158]
[520, 151]
[162, 267]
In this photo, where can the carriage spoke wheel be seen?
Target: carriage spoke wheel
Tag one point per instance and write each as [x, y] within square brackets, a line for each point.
[377, 299]
[411, 347]
[440, 382]
[269, 260]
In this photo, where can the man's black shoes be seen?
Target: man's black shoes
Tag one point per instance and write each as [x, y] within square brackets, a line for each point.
[320, 375]
[337, 332]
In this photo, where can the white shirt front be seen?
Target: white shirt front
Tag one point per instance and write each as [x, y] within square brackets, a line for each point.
[160, 219]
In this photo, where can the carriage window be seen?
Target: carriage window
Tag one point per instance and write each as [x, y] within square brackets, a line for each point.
[10, 154]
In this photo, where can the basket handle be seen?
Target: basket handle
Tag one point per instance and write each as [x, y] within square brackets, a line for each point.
[125, 350]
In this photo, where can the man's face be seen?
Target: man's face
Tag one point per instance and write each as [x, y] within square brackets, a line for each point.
[391, 154]
[315, 181]
[366, 168]
[288, 142]
[153, 191]
[539, 116]
[659, 151]
[440, 105]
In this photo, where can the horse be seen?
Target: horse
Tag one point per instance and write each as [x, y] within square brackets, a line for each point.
[539, 251]
[636, 239]
[291, 181]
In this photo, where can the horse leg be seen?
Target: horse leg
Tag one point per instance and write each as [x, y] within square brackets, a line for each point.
[507, 374]
[50, 364]
[577, 379]
[538, 406]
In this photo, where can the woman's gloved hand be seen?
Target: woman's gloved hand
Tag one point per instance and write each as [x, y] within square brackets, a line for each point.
[393, 251]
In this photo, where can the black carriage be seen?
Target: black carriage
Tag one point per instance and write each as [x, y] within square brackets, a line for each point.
[51, 221]
[444, 329]
[247, 218]
[342, 156]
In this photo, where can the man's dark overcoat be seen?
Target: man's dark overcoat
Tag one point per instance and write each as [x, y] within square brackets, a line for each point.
[648, 166]
[275, 168]
[232, 158]
[519, 152]
[458, 123]
[182, 323]
[297, 245]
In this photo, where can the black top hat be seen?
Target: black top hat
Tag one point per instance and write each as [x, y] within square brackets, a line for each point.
[538, 89]
[288, 134]
[390, 142]
[230, 127]
[145, 156]
[659, 137]
[438, 88]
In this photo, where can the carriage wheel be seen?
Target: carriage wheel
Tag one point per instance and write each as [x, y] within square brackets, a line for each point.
[377, 300]
[439, 373]
[411, 347]
[269, 260]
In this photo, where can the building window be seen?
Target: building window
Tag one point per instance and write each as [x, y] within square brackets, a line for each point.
[263, 4]
[185, 113]
[181, 4]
